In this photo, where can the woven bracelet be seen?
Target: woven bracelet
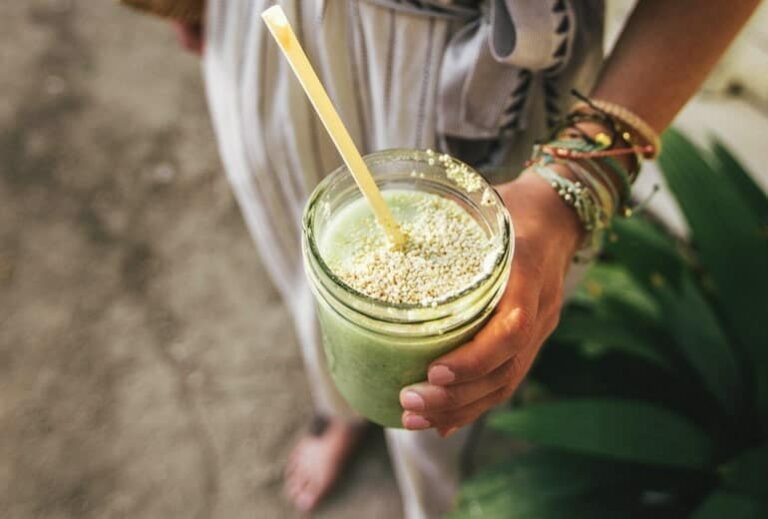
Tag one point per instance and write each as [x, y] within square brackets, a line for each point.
[587, 209]
[630, 122]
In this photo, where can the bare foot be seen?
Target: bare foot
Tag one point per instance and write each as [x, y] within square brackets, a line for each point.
[316, 462]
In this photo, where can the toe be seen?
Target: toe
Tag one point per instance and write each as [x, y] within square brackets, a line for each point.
[295, 484]
[302, 496]
[306, 500]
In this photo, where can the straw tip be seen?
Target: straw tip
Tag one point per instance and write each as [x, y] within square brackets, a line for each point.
[275, 16]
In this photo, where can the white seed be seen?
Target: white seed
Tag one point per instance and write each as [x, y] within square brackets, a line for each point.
[446, 252]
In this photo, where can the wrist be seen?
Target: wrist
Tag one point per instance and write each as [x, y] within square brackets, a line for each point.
[609, 170]
[538, 213]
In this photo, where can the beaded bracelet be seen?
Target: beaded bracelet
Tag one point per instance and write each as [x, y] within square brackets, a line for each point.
[547, 154]
[594, 196]
[603, 189]
[556, 150]
[591, 215]
[577, 149]
[602, 186]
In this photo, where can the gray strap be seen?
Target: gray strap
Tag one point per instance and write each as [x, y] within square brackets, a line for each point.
[482, 89]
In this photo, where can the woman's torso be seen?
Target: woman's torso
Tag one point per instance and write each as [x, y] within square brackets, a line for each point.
[480, 79]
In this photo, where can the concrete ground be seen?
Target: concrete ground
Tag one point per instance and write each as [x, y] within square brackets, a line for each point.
[147, 366]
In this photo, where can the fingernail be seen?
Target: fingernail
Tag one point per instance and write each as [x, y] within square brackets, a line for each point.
[441, 375]
[415, 421]
[412, 401]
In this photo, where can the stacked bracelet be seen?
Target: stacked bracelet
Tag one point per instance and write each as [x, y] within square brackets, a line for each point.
[591, 214]
[602, 184]
[630, 125]
[603, 189]
[601, 174]
[577, 150]
[575, 194]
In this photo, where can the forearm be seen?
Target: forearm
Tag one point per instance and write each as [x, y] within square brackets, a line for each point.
[666, 51]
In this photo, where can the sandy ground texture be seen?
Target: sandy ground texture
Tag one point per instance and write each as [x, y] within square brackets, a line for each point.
[147, 366]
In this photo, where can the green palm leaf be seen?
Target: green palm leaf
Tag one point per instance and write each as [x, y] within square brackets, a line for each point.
[513, 505]
[543, 484]
[598, 334]
[608, 283]
[618, 429]
[748, 472]
[645, 251]
[617, 315]
[679, 308]
[702, 342]
[751, 193]
[730, 246]
[549, 474]
[720, 505]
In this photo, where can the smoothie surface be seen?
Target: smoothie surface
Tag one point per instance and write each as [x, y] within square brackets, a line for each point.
[447, 251]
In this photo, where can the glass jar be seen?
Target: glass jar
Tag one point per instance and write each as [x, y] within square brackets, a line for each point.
[375, 348]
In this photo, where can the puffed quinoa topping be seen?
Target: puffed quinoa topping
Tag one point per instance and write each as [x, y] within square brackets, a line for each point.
[446, 252]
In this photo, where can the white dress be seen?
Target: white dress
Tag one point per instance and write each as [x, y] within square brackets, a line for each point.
[481, 79]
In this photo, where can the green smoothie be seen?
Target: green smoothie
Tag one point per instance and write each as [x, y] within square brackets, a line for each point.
[370, 369]
[385, 314]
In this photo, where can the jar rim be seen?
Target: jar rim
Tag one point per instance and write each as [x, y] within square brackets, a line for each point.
[390, 155]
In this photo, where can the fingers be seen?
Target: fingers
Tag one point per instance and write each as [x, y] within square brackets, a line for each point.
[447, 421]
[447, 408]
[425, 398]
[509, 331]
[451, 407]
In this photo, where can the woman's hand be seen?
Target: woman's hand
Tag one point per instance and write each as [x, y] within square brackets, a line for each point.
[471, 379]
[191, 35]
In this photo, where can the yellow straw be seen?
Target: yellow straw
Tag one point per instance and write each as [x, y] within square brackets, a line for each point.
[281, 30]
